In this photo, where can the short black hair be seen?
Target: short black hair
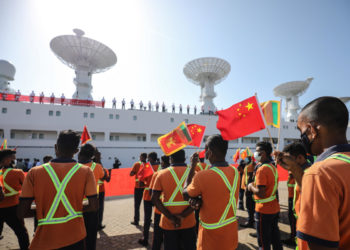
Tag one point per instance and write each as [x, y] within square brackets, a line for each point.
[153, 156]
[166, 160]
[87, 150]
[178, 157]
[295, 149]
[265, 146]
[5, 153]
[144, 155]
[217, 144]
[68, 142]
[329, 111]
[47, 158]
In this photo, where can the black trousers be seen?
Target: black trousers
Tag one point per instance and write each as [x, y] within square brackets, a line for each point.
[9, 215]
[267, 231]
[291, 217]
[80, 245]
[138, 193]
[250, 205]
[157, 233]
[101, 207]
[182, 239]
[147, 207]
[196, 215]
[91, 221]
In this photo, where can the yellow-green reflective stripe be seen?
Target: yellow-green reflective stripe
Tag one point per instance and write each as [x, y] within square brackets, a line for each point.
[294, 200]
[290, 185]
[93, 165]
[178, 188]
[9, 188]
[273, 194]
[60, 197]
[341, 157]
[231, 203]
[100, 182]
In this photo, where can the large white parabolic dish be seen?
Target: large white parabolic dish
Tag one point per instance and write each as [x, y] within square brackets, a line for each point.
[212, 68]
[82, 53]
[294, 88]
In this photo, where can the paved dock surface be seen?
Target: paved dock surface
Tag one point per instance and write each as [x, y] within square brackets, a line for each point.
[120, 234]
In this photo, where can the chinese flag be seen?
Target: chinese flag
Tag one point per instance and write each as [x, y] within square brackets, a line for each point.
[175, 140]
[236, 155]
[85, 136]
[197, 133]
[240, 119]
[145, 171]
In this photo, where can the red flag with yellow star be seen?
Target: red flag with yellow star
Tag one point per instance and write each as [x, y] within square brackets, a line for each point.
[197, 133]
[240, 119]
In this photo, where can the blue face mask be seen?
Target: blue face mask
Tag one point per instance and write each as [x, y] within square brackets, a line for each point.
[246, 161]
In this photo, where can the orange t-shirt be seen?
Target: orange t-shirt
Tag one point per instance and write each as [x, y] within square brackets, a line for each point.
[154, 176]
[248, 169]
[291, 184]
[265, 177]
[302, 245]
[147, 181]
[165, 183]
[102, 185]
[98, 171]
[214, 202]
[135, 168]
[14, 179]
[38, 186]
[201, 166]
[325, 203]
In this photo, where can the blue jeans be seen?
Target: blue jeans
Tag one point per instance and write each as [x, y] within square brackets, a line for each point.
[267, 231]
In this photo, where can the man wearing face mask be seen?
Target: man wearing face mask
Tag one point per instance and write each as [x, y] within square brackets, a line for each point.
[297, 152]
[324, 220]
[267, 207]
[11, 181]
[249, 201]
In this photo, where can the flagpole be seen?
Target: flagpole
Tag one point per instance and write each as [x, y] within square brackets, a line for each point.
[279, 129]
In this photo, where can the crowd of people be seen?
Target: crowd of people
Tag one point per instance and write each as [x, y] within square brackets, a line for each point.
[90, 102]
[194, 206]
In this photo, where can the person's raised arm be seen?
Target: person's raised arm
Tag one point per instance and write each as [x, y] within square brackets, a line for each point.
[194, 162]
[288, 163]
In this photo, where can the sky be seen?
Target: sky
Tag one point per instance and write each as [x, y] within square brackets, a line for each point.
[266, 42]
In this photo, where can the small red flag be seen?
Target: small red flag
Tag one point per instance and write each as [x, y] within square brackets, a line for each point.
[175, 140]
[197, 133]
[240, 119]
[201, 154]
[85, 136]
[145, 171]
[236, 155]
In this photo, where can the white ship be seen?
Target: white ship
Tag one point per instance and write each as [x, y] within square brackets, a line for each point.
[33, 127]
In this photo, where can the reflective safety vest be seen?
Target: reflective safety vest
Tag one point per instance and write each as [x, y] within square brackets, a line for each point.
[273, 194]
[179, 188]
[11, 192]
[200, 166]
[137, 179]
[158, 169]
[60, 197]
[223, 221]
[290, 184]
[246, 175]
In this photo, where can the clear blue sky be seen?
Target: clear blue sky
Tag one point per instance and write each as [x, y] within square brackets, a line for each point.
[266, 42]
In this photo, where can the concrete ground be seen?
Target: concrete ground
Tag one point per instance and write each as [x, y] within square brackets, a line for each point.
[120, 234]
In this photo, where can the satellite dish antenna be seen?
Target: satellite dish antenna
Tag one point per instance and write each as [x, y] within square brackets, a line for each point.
[344, 99]
[7, 74]
[207, 72]
[291, 91]
[86, 56]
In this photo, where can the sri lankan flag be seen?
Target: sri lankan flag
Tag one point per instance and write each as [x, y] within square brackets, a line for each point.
[272, 112]
[4, 145]
[175, 140]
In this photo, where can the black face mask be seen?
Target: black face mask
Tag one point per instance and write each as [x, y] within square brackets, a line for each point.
[306, 142]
